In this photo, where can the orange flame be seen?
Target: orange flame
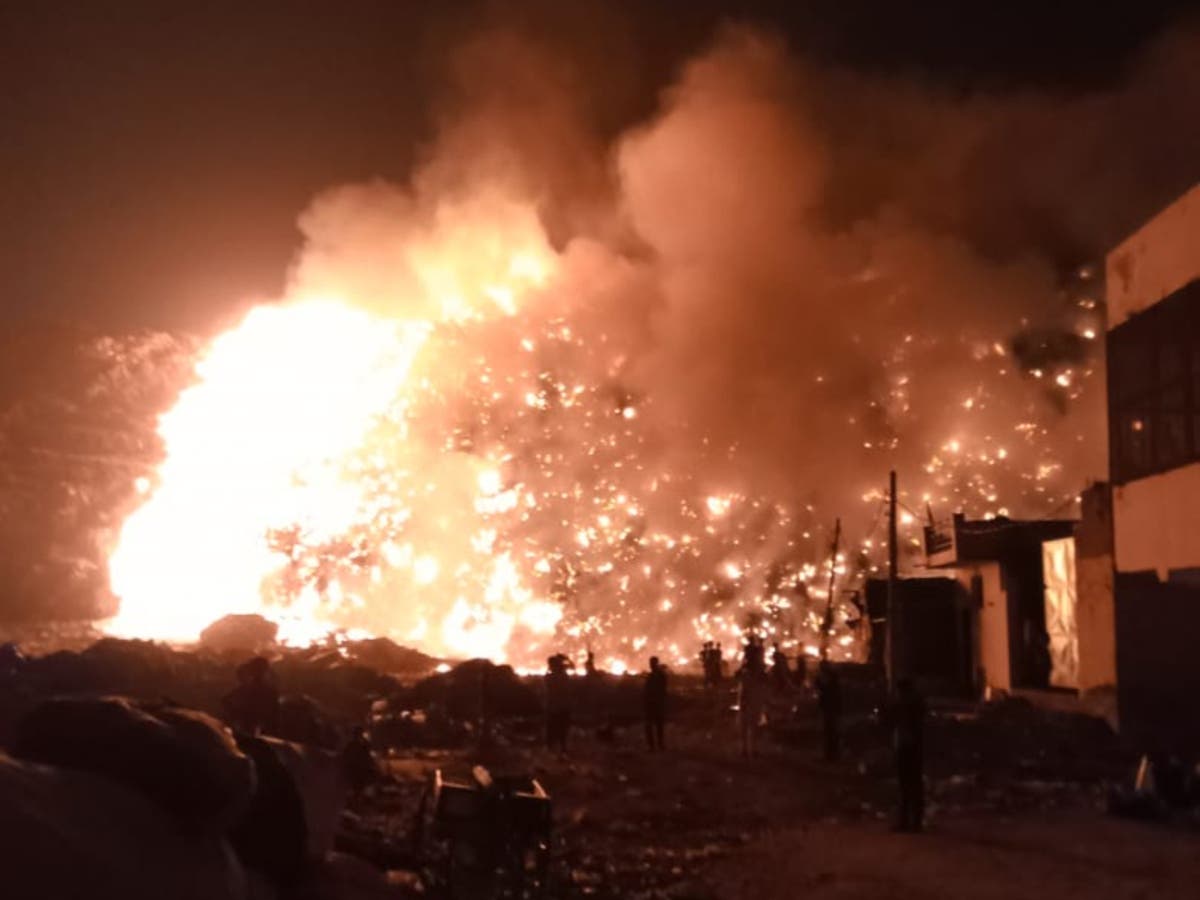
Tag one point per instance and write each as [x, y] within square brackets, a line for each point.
[264, 443]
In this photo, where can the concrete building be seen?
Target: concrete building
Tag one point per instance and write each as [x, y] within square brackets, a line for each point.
[1080, 627]
[998, 564]
[1012, 607]
[1153, 344]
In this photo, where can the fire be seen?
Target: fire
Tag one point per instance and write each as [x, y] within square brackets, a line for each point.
[255, 445]
[267, 455]
[442, 451]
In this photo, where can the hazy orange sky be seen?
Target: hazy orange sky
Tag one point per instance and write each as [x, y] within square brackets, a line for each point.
[156, 156]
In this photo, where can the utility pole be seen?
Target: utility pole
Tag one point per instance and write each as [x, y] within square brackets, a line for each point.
[828, 623]
[891, 654]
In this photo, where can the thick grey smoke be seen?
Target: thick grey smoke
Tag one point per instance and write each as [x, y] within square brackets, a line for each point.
[778, 285]
[797, 276]
[777, 332]
[811, 275]
[819, 235]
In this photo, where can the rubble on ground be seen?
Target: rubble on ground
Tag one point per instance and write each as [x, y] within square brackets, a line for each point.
[626, 823]
[247, 634]
[477, 688]
[389, 658]
[183, 760]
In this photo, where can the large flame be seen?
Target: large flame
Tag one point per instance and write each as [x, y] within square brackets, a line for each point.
[255, 445]
[456, 433]
[442, 448]
[266, 458]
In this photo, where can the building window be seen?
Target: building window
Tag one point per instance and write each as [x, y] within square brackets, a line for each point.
[1154, 388]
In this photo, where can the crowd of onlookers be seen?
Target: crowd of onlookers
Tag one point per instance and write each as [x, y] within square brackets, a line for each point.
[756, 681]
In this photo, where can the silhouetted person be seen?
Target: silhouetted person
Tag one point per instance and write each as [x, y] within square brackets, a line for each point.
[800, 674]
[752, 698]
[589, 665]
[1171, 779]
[11, 660]
[483, 709]
[710, 658]
[781, 676]
[907, 722]
[253, 706]
[358, 762]
[829, 699]
[718, 664]
[558, 703]
[754, 655]
[655, 701]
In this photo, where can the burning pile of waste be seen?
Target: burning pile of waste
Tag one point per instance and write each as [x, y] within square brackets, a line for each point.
[469, 432]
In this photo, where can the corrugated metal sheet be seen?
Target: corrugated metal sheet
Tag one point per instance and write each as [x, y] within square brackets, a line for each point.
[1058, 568]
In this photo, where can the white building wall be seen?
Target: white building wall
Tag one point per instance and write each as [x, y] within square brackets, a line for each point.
[1155, 261]
[1156, 522]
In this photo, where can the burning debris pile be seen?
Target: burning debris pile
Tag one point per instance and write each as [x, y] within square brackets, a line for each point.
[468, 432]
[573, 388]
[584, 389]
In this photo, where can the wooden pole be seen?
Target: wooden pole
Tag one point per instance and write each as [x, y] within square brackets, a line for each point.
[891, 656]
[828, 623]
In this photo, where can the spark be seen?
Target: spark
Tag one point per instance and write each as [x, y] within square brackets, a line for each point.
[478, 483]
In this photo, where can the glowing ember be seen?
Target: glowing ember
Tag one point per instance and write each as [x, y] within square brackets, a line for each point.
[486, 444]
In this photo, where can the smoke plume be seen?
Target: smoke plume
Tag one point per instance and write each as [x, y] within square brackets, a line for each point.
[652, 363]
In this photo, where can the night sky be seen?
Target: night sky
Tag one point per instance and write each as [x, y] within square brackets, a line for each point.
[155, 156]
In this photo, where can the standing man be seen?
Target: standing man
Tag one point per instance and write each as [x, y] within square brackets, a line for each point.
[655, 698]
[359, 766]
[752, 699]
[253, 706]
[781, 676]
[907, 717]
[829, 698]
[800, 675]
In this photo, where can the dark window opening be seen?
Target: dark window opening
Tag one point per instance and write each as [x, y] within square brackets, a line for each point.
[1154, 388]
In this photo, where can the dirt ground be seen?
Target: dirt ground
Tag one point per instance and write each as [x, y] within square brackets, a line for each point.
[1016, 804]
[1066, 855]
[1016, 795]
